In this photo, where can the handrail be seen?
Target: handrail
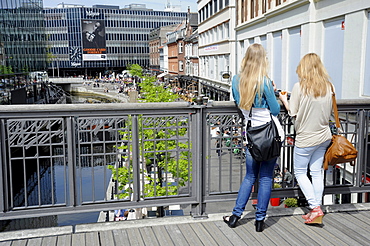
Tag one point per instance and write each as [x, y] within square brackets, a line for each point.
[74, 142]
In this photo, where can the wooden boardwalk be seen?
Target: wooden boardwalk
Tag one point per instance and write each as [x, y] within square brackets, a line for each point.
[343, 225]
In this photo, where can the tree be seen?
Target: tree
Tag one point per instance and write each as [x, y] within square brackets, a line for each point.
[135, 70]
[6, 69]
[157, 139]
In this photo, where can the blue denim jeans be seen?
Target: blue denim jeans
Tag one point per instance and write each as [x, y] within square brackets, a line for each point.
[310, 158]
[265, 171]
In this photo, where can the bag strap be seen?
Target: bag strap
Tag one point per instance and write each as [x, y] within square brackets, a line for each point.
[250, 117]
[335, 108]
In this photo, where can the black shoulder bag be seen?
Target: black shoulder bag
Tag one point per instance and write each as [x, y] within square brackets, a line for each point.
[264, 142]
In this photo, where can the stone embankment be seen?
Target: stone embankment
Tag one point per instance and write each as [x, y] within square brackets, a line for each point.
[104, 90]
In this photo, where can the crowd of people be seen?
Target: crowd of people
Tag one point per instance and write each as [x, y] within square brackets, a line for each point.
[118, 84]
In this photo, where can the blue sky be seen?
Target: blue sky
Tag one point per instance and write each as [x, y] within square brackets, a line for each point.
[151, 4]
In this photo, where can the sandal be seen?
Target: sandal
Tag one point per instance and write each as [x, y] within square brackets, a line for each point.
[315, 217]
[306, 216]
[231, 220]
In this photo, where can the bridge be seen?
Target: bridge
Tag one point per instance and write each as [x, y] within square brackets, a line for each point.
[48, 150]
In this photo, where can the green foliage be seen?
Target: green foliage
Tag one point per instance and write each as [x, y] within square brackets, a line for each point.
[155, 93]
[291, 202]
[6, 69]
[135, 70]
[123, 175]
[162, 130]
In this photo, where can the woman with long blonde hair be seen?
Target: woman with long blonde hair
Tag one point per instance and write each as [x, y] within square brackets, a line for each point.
[311, 105]
[252, 88]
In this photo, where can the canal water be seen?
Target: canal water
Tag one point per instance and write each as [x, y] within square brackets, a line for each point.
[99, 191]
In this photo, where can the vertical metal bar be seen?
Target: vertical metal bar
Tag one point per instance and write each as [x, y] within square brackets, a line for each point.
[360, 167]
[3, 169]
[198, 164]
[135, 158]
[24, 175]
[71, 160]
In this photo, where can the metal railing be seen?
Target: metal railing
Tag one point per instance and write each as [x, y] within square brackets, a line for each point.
[59, 159]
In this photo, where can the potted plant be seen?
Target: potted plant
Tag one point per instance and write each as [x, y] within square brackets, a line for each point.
[275, 201]
[291, 202]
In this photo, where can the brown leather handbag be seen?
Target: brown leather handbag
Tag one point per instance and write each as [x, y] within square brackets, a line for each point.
[340, 150]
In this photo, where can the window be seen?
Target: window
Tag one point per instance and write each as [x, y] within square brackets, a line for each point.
[252, 9]
[181, 66]
[180, 47]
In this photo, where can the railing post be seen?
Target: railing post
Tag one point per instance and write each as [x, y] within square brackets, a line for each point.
[71, 158]
[198, 210]
[360, 163]
[3, 169]
[135, 158]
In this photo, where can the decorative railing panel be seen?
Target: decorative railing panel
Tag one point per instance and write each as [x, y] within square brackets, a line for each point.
[66, 158]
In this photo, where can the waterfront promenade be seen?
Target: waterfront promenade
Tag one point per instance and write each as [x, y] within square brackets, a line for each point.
[346, 224]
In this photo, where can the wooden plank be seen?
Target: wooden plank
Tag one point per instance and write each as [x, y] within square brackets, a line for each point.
[230, 234]
[175, 234]
[134, 236]
[351, 228]
[162, 235]
[336, 229]
[285, 232]
[189, 234]
[64, 240]
[358, 225]
[78, 239]
[294, 231]
[5, 243]
[92, 238]
[34, 241]
[148, 236]
[364, 223]
[245, 237]
[22, 242]
[106, 238]
[120, 237]
[216, 233]
[250, 229]
[49, 241]
[272, 234]
[361, 216]
[203, 234]
[316, 232]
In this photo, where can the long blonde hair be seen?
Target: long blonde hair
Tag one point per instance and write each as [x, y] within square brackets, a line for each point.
[252, 73]
[313, 77]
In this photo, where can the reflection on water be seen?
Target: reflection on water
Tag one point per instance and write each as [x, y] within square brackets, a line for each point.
[91, 189]
[53, 182]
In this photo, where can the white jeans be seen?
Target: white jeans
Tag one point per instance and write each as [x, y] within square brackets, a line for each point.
[312, 158]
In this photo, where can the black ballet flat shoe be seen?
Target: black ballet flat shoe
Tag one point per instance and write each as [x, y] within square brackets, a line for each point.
[260, 225]
[231, 222]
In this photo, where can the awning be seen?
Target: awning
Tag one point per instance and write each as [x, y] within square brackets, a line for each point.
[161, 75]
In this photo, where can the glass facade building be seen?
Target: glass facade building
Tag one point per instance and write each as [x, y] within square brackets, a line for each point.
[98, 39]
[22, 35]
